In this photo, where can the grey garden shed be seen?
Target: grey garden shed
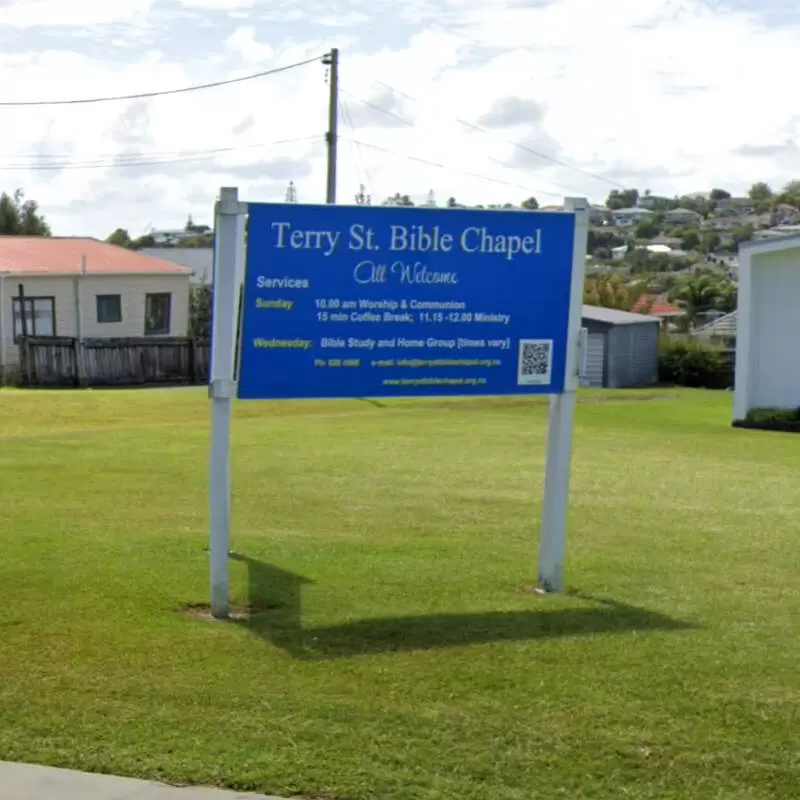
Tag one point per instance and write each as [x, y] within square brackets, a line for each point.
[622, 348]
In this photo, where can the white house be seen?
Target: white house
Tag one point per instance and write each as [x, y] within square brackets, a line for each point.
[168, 237]
[85, 288]
[199, 260]
[625, 217]
[768, 326]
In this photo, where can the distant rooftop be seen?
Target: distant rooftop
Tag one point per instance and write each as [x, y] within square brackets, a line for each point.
[722, 326]
[200, 260]
[614, 316]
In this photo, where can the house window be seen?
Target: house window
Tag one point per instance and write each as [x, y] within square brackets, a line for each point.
[157, 308]
[109, 308]
[40, 316]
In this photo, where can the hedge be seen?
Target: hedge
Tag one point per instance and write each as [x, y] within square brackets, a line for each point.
[689, 363]
[786, 420]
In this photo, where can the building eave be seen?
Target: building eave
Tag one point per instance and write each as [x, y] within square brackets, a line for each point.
[79, 274]
[757, 247]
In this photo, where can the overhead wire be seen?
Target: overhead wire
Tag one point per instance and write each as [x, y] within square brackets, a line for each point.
[412, 124]
[525, 148]
[449, 168]
[162, 93]
[152, 159]
[358, 157]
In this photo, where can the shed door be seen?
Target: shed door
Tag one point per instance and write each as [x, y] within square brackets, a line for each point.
[595, 359]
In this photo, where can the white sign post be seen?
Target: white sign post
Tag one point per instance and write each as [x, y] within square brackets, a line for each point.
[555, 503]
[228, 260]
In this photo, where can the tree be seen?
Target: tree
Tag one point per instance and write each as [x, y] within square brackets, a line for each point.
[21, 217]
[398, 200]
[690, 240]
[743, 234]
[698, 203]
[720, 194]
[703, 293]
[709, 241]
[760, 191]
[762, 196]
[143, 241]
[627, 198]
[200, 305]
[530, 203]
[790, 194]
[599, 239]
[192, 227]
[647, 229]
[609, 291]
[362, 198]
[120, 237]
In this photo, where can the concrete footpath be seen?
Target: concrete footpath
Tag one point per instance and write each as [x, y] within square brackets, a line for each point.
[29, 782]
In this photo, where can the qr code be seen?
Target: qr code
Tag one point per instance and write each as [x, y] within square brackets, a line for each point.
[535, 362]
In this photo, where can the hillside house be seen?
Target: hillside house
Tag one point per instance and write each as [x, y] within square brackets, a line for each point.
[734, 206]
[84, 288]
[655, 306]
[654, 202]
[626, 217]
[784, 214]
[600, 215]
[682, 216]
[173, 237]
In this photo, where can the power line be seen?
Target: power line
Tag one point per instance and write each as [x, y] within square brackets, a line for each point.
[144, 95]
[150, 159]
[412, 124]
[454, 169]
[166, 153]
[355, 149]
[523, 147]
[378, 108]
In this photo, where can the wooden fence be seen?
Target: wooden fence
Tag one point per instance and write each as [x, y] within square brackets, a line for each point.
[61, 361]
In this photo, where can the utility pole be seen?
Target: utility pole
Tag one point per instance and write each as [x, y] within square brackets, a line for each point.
[331, 60]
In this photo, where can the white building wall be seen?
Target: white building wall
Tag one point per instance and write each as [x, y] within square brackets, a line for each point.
[131, 288]
[774, 358]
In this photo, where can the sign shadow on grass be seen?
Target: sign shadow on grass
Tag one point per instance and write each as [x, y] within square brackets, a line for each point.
[275, 600]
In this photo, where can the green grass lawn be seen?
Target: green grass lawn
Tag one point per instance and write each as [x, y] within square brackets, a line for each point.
[398, 655]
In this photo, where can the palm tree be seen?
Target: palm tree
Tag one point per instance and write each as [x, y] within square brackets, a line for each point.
[698, 294]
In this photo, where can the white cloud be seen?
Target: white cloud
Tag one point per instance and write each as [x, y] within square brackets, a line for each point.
[47, 13]
[243, 41]
[218, 5]
[663, 94]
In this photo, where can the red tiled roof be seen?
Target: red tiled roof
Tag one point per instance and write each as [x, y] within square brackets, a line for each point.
[43, 255]
[657, 308]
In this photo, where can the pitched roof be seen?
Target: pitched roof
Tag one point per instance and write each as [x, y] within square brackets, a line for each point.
[614, 316]
[722, 326]
[658, 308]
[44, 255]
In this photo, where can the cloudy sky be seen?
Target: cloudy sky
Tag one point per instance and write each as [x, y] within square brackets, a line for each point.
[484, 100]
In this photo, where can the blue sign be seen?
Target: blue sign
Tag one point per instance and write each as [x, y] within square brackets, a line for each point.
[377, 301]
